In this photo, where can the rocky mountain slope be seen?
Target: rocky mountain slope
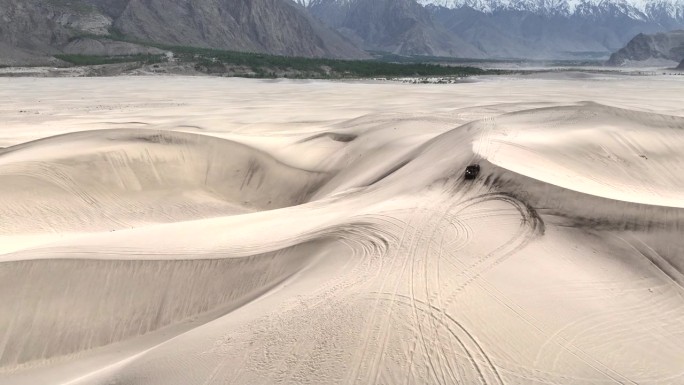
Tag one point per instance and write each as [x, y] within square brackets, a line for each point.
[397, 26]
[273, 26]
[31, 31]
[531, 28]
[661, 49]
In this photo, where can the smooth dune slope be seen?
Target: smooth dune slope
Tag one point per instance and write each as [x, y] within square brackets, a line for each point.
[123, 178]
[260, 232]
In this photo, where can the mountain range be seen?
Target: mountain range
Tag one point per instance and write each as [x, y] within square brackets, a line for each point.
[33, 31]
[538, 29]
[654, 10]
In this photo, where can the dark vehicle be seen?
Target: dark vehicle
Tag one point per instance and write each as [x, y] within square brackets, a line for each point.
[472, 171]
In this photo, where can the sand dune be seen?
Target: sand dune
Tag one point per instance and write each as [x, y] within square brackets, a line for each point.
[252, 232]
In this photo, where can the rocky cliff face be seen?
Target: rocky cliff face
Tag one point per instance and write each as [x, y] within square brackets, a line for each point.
[398, 26]
[31, 31]
[658, 48]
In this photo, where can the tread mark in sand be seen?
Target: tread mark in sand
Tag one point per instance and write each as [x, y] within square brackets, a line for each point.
[380, 353]
[366, 334]
[467, 336]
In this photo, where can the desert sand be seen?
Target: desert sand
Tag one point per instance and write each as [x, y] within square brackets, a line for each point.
[180, 230]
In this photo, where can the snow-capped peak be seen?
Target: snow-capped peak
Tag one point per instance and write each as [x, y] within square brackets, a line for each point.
[636, 9]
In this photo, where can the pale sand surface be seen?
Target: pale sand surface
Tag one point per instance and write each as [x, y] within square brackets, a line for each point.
[177, 231]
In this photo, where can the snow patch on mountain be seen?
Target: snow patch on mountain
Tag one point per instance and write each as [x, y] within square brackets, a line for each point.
[635, 9]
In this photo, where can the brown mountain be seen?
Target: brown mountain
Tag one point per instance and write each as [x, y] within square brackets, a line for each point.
[271, 26]
[31, 31]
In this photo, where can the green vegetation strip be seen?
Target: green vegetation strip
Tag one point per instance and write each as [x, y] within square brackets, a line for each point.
[86, 60]
[262, 65]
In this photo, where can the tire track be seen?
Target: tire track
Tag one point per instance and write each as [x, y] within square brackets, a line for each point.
[467, 336]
